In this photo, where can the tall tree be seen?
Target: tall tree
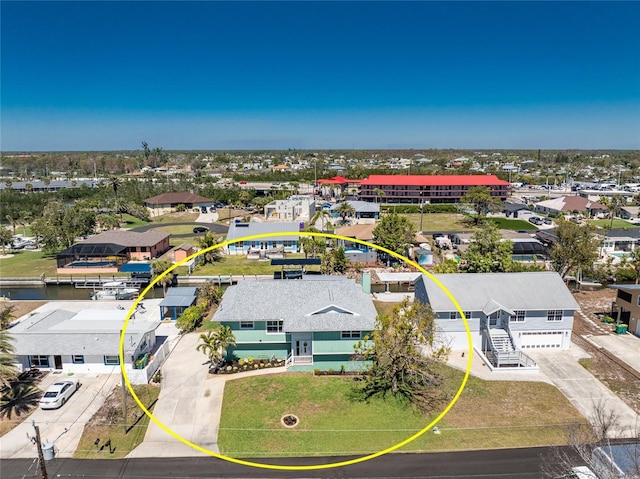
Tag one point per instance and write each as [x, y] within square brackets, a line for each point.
[480, 199]
[395, 233]
[404, 350]
[576, 247]
[488, 252]
[334, 261]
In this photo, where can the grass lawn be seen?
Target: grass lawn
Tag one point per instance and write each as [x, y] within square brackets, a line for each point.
[617, 223]
[514, 225]
[440, 221]
[183, 217]
[27, 264]
[489, 414]
[107, 424]
[133, 222]
[384, 307]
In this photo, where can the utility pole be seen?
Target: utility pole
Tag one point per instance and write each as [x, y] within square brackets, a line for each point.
[43, 467]
[124, 398]
[421, 206]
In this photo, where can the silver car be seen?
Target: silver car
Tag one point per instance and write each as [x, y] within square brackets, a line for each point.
[58, 393]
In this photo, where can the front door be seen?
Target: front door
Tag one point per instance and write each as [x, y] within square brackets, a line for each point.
[303, 347]
[493, 320]
[57, 362]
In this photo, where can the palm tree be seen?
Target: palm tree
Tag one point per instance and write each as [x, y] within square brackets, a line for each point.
[214, 344]
[320, 215]
[379, 195]
[209, 294]
[207, 241]
[208, 345]
[158, 267]
[8, 368]
[225, 339]
[344, 209]
[18, 399]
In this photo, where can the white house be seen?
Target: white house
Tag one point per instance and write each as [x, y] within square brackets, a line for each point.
[85, 341]
[263, 246]
[296, 208]
[506, 312]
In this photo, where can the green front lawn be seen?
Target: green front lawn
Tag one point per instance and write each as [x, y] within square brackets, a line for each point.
[617, 223]
[489, 414]
[27, 264]
[514, 225]
[440, 221]
[133, 222]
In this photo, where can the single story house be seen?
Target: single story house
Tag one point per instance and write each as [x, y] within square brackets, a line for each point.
[108, 251]
[569, 204]
[313, 323]
[517, 210]
[362, 210]
[86, 341]
[629, 212]
[357, 252]
[506, 312]
[177, 300]
[620, 241]
[167, 202]
[266, 245]
[296, 208]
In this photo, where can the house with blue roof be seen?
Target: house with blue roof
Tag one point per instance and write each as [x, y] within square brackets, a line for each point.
[313, 323]
[177, 300]
[263, 246]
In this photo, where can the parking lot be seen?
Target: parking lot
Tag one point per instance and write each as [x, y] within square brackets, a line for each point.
[52, 423]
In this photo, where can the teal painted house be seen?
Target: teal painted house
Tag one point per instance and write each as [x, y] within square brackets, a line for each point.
[313, 323]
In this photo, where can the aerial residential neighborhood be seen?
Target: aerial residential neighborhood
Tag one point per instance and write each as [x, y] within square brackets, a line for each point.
[320, 239]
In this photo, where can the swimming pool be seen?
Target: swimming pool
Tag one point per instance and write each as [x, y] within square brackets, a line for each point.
[90, 264]
[620, 255]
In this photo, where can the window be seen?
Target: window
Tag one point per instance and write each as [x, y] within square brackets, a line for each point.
[456, 315]
[453, 315]
[624, 296]
[519, 315]
[350, 335]
[77, 359]
[554, 315]
[112, 360]
[39, 361]
[274, 327]
[246, 324]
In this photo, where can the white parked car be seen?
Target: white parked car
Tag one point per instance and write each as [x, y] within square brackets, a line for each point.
[58, 393]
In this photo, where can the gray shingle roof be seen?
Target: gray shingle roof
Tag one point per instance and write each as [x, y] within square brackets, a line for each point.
[90, 332]
[296, 301]
[360, 206]
[515, 291]
[128, 238]
[238, 230]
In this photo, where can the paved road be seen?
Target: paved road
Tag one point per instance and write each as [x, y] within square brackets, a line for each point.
[213, 227]
[494, 464]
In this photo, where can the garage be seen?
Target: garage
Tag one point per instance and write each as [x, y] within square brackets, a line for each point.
[540, 339]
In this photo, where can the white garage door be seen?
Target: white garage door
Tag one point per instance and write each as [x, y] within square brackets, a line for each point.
[541, 339]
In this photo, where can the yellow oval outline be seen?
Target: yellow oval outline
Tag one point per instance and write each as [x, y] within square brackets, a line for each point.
[311, 466]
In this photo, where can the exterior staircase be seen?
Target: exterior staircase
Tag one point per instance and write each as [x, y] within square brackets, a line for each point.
[501, 352]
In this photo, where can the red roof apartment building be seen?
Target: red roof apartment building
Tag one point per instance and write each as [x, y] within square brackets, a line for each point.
[418, 189]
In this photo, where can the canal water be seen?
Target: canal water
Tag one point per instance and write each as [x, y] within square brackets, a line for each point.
[57, 293]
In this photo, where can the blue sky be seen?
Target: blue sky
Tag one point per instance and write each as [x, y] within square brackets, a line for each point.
[315, 75]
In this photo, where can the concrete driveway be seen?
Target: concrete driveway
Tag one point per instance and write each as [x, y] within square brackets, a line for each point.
[583, 390]
[623, 346]
[190, 404]
[72, 416]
